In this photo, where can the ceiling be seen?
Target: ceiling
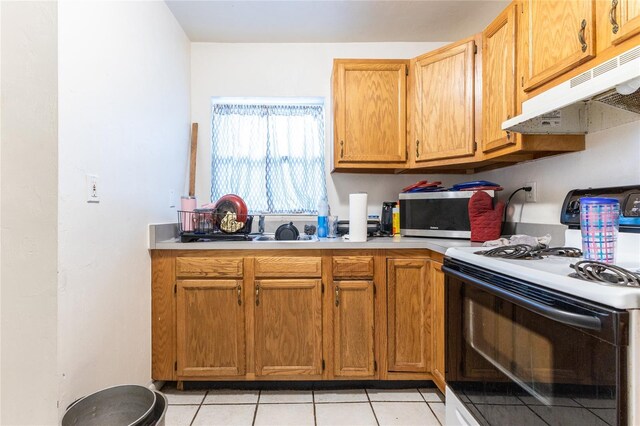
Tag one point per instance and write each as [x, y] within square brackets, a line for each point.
[326, 21]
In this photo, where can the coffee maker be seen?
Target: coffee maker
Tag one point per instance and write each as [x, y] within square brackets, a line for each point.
[386, 219]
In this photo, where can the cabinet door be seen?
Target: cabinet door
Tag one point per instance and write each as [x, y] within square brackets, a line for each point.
[408, 311]
[625, 19]
[499, 79]
[369, 111]
[210, 328]
[437, 319]
[353, 329]
[560, 35]
[444, 103]
[288, 327]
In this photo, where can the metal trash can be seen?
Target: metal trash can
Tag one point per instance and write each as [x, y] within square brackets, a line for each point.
[131, 405]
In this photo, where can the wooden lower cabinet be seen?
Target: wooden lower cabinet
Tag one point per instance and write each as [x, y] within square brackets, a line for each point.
[242, 315]
[353, 329]
[210, 328]
[288, 327]
[408, 315]
[437, 321]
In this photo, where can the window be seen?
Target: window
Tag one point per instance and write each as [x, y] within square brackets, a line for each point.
[269, 153]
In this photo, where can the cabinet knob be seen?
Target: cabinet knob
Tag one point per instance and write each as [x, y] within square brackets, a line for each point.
[581, 38]
[612, 17]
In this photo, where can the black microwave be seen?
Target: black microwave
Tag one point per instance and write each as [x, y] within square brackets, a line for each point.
[442, 214]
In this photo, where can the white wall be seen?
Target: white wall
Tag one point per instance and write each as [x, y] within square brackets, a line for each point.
[28, 176]
[124, 115]
[611, 157]
[237, 69]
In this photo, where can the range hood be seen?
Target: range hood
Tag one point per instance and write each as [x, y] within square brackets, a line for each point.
[605, 96]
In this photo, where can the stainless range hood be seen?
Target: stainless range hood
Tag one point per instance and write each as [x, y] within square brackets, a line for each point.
[605, 96]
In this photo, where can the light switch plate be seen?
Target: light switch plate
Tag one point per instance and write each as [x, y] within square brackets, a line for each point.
[93, 189]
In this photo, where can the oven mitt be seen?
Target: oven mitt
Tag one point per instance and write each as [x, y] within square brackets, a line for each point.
[486, 220]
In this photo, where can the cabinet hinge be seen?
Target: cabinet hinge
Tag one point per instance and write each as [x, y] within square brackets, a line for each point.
[475, 146]
[406, 71]
[322, 288]
[475, 49]
[375, 365]
[175, 366]
[175, 288]
[323, 365]
[374, 289]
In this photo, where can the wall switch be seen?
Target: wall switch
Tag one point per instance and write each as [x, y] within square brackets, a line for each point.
[531, 196]
[93, 189]
[172, 199]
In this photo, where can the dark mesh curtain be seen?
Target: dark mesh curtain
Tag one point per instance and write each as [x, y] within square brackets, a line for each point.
[270, 155]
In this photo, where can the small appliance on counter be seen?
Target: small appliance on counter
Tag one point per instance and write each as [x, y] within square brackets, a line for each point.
[386, 222]
[437, 214]
[373, 227]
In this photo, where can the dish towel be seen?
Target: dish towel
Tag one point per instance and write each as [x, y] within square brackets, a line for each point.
[486, 220]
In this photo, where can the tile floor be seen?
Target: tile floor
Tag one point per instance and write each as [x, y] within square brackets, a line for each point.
[351, 407]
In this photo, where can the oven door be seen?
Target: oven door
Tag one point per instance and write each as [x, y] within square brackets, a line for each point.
[520, 354]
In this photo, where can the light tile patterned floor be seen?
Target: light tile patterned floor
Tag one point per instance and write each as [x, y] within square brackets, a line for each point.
[350, 407]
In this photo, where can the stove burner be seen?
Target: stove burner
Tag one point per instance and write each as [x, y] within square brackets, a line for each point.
[527, 252]
[518, 251]
[559, 251]
[601, 272]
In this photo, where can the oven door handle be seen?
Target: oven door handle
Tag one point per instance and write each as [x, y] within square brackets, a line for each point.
[565, 317]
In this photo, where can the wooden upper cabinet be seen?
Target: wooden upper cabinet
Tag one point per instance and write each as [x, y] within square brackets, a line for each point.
[210, 328]
[288, 327]
[624, 17]
[353, 329]
[444, 104]
[559, 36]
[408, 315]
[499, 95]
[369, 105]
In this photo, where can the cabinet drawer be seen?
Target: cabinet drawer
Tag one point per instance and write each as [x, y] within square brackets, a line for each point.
[209, 267]
[353, 266]
[288, 267]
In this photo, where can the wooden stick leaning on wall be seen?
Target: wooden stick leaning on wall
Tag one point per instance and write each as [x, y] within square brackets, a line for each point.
[192, 164]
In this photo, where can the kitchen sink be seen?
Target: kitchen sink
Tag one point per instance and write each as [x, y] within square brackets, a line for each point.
[272, 238]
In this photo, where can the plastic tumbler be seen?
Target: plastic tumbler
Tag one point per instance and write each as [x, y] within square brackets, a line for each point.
[599, 221]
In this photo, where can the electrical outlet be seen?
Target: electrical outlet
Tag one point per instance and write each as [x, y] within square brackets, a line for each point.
[172, 199]
[93, 189]
[531, 196]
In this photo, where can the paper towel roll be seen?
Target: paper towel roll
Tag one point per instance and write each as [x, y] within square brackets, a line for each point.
[358, 217]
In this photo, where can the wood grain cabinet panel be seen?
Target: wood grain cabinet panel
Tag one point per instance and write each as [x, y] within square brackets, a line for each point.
[499, 79]
[288, 267]
[353, 266]
[210, 328]
[559, 36]
[444, 103]
[624, 19]
[408, 315]
[288, 327]
[353, 334]
[209, 267]
[437, 320]
[369, 113]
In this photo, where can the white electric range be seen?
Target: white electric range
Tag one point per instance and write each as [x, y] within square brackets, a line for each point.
[529, 344]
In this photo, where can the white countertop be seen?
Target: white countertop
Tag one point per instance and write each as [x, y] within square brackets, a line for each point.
[439, 245]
